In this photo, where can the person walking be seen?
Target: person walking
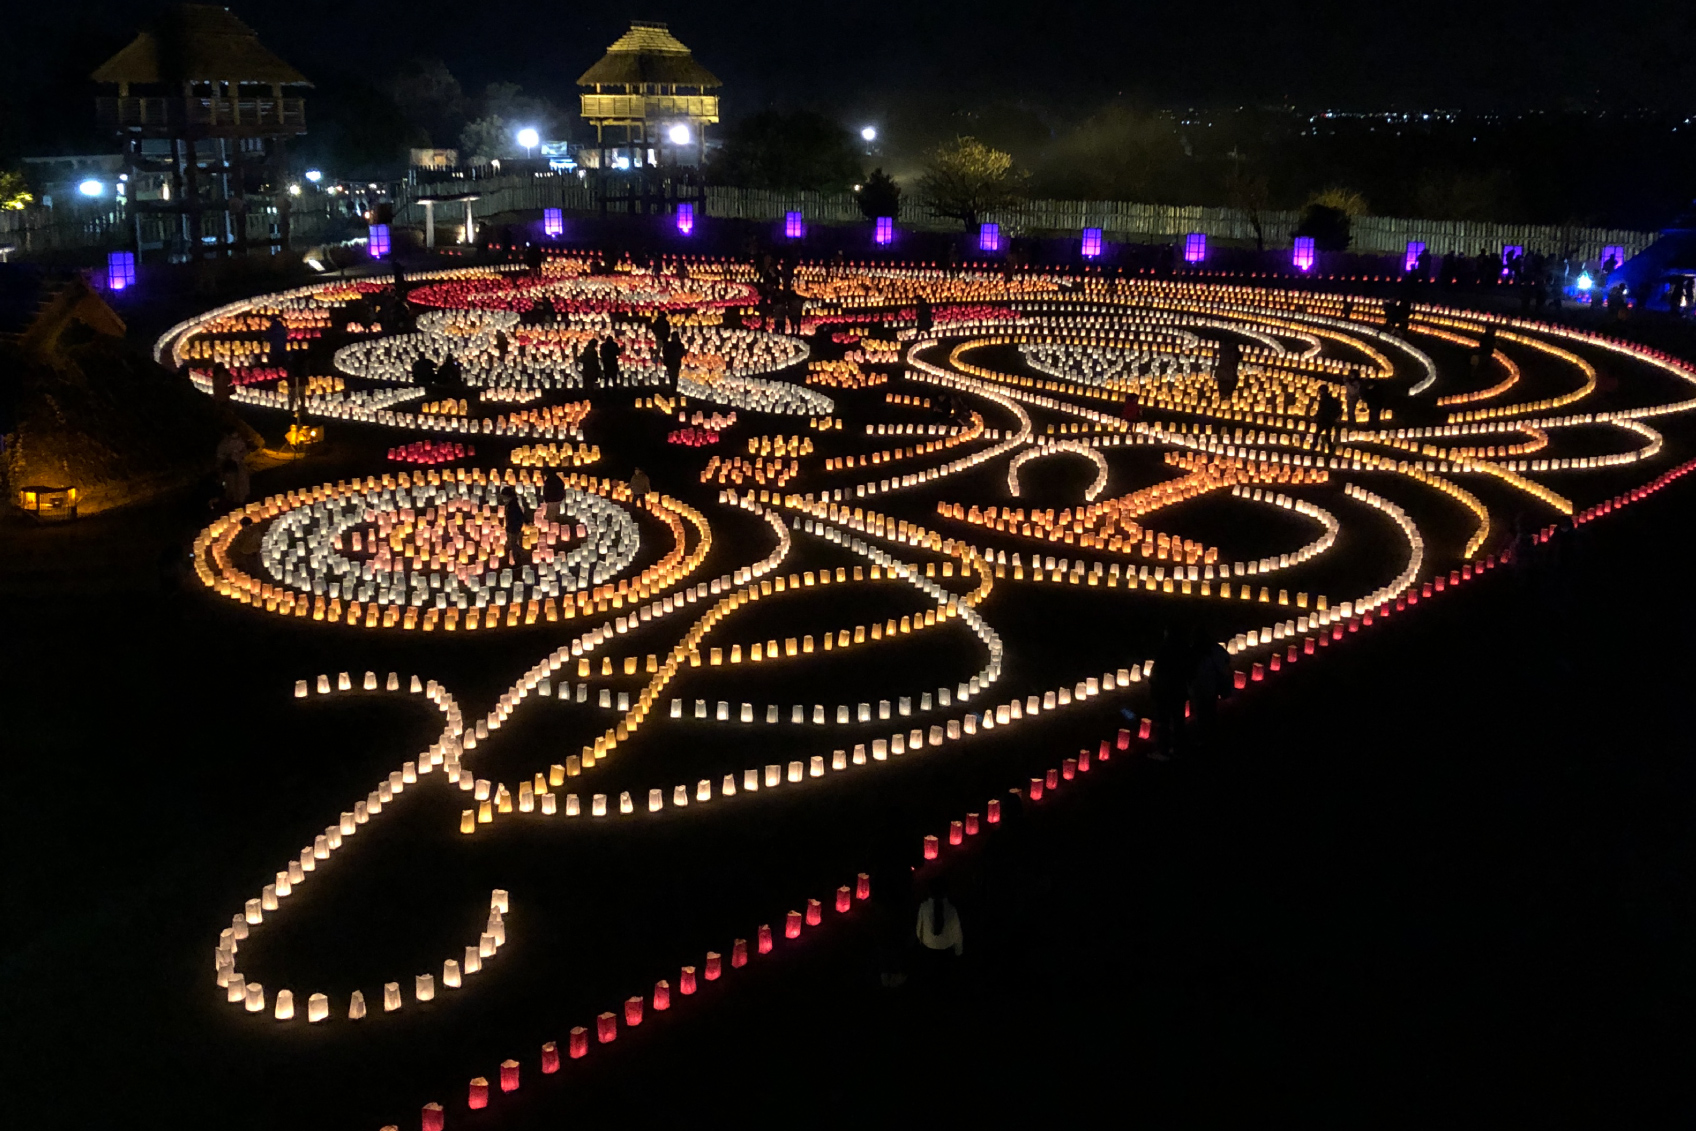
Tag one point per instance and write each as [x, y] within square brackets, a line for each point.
[1226, 369]
[671, 356]
[639, 485]
[589, 362]
[553, 494]
[1373, 395]
[1170, 687]
[1325, 418]
[512, 511]
[1351, 398]
[609, 360]
[939, 933]
[1209, 681]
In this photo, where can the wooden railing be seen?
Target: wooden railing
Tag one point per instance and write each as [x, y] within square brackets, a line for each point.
[207, 115]
[649, 106]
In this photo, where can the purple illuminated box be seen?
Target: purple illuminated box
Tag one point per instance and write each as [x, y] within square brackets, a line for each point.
[1304, 256]
[1510, 252]
[120, 270]
[794, 226]
[1195, 247]
[379, 242]
[883, 233]
[1415, 248]
[1092, 243]
[1615, 253]
[989, 237]
[553, 223]
[685, 218]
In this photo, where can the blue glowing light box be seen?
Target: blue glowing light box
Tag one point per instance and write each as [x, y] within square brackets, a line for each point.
[794, 226]
[685, 218]
[1415, 248]
[1304, 256]
[883, 233]
[120, 270]
[1092, 243]
[553, 223]
[1195, 247]
[379, 243]
[989, 237]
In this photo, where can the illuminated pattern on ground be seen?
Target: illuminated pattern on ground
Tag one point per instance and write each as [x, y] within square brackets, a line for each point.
[913, 491]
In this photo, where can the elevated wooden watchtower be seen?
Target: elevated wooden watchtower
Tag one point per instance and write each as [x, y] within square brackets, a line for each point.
[647, 99]
[203, 109]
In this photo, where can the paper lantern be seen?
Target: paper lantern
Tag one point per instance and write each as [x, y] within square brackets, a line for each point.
[424, 987]
[1036, 789]
[553, 223]
[815, 913]
[633, 1010]
[285, 1005]
[686, 980]
[378, 243]
[450, 974]
[1195, 247]
[992, 812]
[1068, 769]
[844, 898]
[478, 1098]
[792, 925]
[432, 1119]
[685, 218]
[254, 997]
[255, 911]
[235, 989]
[606, 1028]
[1091, 248]
[579, 1042]
[120, 270]
[883, 231]
[317, 1008]
[1051, 779]
[662, 995]
[763, 939]
[473, 960]
[715, 964]
[509, 1076]
[794, 226]
[956, 832]
[1303, 255]
[932, 848]
[989, 237]
[391, 996]
[356, 1006]
[550, 1058]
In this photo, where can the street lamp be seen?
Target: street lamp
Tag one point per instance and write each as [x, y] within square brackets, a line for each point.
[92, 187]
[868, 134]
[679, 134]
[529, 139]
[314, 175]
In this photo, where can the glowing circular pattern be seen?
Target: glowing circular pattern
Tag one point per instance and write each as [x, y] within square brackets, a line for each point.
[927, 497]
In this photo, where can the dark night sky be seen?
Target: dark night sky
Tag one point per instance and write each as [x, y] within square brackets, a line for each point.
[855, 58]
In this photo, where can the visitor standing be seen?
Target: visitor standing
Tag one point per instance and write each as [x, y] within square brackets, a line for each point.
[1170, 687]
[589, 362]
[1325, 418]
[512, 510]
[639, 485]
[609, 360]
[1209, 681]
[1226, 369]
[671, 356]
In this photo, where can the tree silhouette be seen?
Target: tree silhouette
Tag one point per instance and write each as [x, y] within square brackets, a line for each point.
[966, 178]
[879, 195]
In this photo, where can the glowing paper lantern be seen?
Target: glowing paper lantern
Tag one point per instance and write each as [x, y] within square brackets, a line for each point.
[254, 997]
[989, 237]
[356, 1006]
[862, 886]
[378, 244]
[579, 1042]
[933, 848]
[994, 812]
[509, 1076]
[550, 1058]
[1195, 247]
[391, 996]
[844, 898]
[685, 218]
[686, 980]
[1092, 243]
[285, 1005]
[633, 1011]
[1304, 255]
[763, 939]
[715, 962]
[433, 1118]
[424, 987]
[120, 270]
[606, 1028]
[794, 226]
[317, 1008]
[553, 223]
[883, 231]
[478, 1098]
[450, 973]
[792, 925]
[956, 832]
[662, 994]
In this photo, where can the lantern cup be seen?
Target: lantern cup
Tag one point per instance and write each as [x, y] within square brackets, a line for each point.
[686, 980]
[715, 962]
[862, 886]
[994, 812]
[844, 898]
[633, 1011]
[478, 1096]
[509, 1076]
[120, 270]
[432, 1119]
[662, 994]
[815, 913]
[792, 925]
[763, 945]
[606, 1028]
[550, 1058]
[579, 1044]
[932, 848]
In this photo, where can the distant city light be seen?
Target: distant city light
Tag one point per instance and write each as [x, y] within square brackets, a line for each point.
[529, 138]
[1092, 243]
[989, 237]
[678, 134]
[1195, 247]
[794, 226]
[883, 233]
[314, 175]
[1304, 256]
[685, 218]
[869, 133]
[92, 187]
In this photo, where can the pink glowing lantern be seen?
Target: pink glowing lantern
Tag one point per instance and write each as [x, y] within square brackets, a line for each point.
[1036, 789]
[993, 812]
[479, 1096]
[932, 848]
[579, 1045]
[606, 1028]
[862, 886]
[553, 223]
[815, 913]
[662, 995]
[509, 1076]
[1083, 760]
[971, 825]
[120, 270]
[1145, 727]
[633, 1011]
[550, 1059]
[685, 218]
[1304, 255]
[1068, 769]
[844, 898]
[794, 226]
[1123, 741]
[1051, 779]
[792, 925]
[433, 1119]
[763, 939]
[378, 244]
[1092, 243]
[956, 832]
[883, 231]
[715, 963]
[686, 981]
[989, 237]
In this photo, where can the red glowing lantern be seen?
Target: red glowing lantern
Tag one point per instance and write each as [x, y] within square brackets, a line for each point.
[971, 825]
[479, 1097]
[1051, 779]
[1036, 789]
[792, 925]
[1083, 760]
[738, 955]
[433, 1119]
[956, 832]
[862, 886]
[509, 1076]
[579, 1042]
[994, 814]
[1068, 769]
[1273, 664]
[932, 848]
[550, 1059]
[1144, 728]
[686, 980]
[606, 1028]
[1124, 741]
[1257, 672]
[715, 964]
[1307, 646]
[844, 898]
[633, 1010]
[815, 913]
[662, 995]
[762, 939]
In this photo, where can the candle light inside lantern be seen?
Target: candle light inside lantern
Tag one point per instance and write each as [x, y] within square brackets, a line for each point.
[606, 1028]
[478, 1098]
[509, 1076]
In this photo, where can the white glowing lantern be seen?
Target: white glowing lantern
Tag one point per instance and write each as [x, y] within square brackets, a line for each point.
[751, 780]
[473, 960]
[450, 973]
[284, 1010]
[320, 848]
[235, 989]
[486, 945]
[344, 682]
[526, 798]
[880, 749]
[370, 681]
[391, 997]
[356, 1006]
[680, 796]
[268, 897]
[424, 987]
[839, 760]
[300, 689]
[323, 685]
[815, 768]
[795, 771]
[550, 804]
[255, 911]
[254, 1000]
[572, 806]
[656, 800]
[774, 776]
[317, 1008]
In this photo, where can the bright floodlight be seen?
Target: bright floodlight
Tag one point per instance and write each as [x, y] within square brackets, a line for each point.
[869, 133]
[529, 138]
[91, 187]
[314, 175]
[679, 134]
